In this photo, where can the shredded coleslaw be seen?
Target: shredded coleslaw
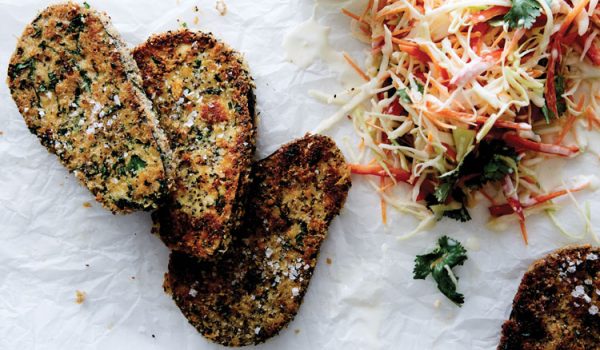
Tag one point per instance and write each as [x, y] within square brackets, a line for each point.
[469, 96]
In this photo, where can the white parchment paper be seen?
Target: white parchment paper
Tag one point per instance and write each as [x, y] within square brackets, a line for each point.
[362, 295]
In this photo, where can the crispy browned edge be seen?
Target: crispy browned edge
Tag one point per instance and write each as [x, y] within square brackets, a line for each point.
[512, 329]
[172, 225]
[272, 169]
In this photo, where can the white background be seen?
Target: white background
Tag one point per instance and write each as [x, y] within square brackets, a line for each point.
[365, 299]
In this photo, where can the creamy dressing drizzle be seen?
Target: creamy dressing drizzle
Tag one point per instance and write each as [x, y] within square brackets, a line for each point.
[309, 42]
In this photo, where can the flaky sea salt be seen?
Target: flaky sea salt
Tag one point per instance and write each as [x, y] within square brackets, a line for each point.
[193, 292]
[593, 310]
[295, 292]
[578, 292]
[268, 252]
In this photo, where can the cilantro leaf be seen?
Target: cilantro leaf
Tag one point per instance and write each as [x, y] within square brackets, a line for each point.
[442, 192]
[490, 161]
[404, 95]
[461, 214]
[561, 104]
[448, 254]
[522, 14]
[420, 87]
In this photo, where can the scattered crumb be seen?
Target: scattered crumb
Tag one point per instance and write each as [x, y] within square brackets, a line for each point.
[196, 9]
[296, 331]
[132, 277]
[87, 204]
[221, 7]
[328, 261]
[87, 265]
[79, 297]
[196, 20]
[437, 303]
[153, 336]
[1, 132]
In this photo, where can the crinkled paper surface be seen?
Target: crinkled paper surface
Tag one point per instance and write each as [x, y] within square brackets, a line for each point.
[362, 295]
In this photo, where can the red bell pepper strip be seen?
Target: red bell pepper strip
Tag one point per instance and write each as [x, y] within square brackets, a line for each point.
[593, 53]
[505, 209]
[518, 142]
[377, 170]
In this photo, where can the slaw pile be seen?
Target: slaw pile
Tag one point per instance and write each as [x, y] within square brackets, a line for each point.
[469, 96]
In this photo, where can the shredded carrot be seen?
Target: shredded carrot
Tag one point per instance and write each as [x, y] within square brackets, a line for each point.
[352, 15]
[571, 16]
[591, 117]
[401, 31]
[367, 9]
[382, 201]
[412, 49]
[569, 123]
[356, 67]
[524, 232]
[432, 117]
[565, 129]
[389, 12]
[489, 13]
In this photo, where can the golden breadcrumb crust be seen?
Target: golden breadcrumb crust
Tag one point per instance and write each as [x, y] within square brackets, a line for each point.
[255, 289]
[203, 93]
[557, 304]
[79, 91]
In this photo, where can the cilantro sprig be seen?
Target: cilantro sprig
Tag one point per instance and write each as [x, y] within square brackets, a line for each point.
[439, 263]
[523, 14]
[491, 161]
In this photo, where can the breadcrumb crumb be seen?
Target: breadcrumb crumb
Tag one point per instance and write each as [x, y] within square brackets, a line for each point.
[80, 297]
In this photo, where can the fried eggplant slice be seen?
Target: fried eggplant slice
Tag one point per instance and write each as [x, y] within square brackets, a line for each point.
[79, 90]
[557, 304]
[203, 93]
[257, 286]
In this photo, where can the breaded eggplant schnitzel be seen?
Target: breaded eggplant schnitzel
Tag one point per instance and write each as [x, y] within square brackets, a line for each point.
[557, 304]
[79, 90]
[257, 286]
[203, 93]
